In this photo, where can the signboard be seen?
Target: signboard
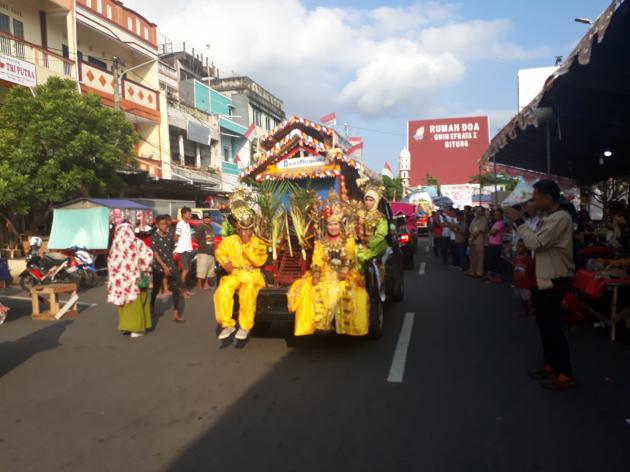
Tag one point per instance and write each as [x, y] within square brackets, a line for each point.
[447, 149]
[17, 71]
[299, 162]
[531, 83]
[462, 195]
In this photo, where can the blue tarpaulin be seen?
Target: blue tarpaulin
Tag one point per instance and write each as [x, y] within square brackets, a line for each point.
[87, 227]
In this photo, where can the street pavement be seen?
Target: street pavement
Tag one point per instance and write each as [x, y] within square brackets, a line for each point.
[76, 395]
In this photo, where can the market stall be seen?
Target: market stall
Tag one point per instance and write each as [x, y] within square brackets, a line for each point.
[577, 128]
[87, 222]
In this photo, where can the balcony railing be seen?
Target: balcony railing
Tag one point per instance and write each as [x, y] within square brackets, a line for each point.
[21, 49]
[102, 82]
[195, 175]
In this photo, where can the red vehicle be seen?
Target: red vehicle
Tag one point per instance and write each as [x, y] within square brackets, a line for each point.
[406, 222]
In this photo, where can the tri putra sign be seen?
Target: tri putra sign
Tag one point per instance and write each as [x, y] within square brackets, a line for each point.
[447, 149]
[17, 71]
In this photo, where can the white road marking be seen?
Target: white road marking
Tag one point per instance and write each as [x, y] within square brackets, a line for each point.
[397, 369]
[423, 268]
[428, 249]
[28, 299]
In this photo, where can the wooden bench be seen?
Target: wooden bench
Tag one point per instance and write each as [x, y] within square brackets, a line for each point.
[53, 291]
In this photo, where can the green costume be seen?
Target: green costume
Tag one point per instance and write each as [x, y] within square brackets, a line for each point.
[376, 229]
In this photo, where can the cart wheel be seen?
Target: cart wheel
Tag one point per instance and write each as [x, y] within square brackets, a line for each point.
[377, 318]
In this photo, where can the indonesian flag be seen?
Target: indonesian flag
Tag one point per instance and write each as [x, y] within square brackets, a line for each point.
[237, 161]
[387, 170]
[329, 120]
[250, 130]
[356, 152]
[355, 140]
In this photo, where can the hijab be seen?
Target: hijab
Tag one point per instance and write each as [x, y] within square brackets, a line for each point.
[127, 257]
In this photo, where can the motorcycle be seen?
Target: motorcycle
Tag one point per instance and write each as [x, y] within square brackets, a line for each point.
[42, 270]
[81, 265]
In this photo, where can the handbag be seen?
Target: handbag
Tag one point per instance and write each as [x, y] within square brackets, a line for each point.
[143, 280]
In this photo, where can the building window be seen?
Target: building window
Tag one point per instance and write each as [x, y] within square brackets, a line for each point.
[267, 123]
[109, 12]
[99, 6]
[89, 3]
[258, 118]
[129, 23]
[137, 26]
[226, 153]
[97, 63]
[146, 33]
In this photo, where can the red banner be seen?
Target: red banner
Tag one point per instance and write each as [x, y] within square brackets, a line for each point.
[447, 149]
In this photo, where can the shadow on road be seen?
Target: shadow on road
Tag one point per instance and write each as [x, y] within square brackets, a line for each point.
[14, 353]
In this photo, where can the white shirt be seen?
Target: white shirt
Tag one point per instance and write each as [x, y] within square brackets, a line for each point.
[184, 243]
[452, 220]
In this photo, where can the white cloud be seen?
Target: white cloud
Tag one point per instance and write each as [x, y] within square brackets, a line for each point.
[372, 62]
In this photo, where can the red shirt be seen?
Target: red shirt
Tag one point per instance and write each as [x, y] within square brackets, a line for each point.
[524, 272]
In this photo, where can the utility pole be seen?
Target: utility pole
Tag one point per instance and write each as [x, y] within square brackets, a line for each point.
[116, 73]
[346, 130]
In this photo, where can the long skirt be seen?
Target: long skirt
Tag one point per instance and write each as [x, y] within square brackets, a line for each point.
[477, 255]
[343, 304]
[135, 317]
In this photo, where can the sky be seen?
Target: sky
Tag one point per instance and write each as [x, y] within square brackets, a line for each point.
[377, 64]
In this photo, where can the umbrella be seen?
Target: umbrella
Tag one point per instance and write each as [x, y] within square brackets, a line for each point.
[443, 201]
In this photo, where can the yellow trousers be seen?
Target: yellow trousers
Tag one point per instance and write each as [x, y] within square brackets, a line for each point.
[248, 284]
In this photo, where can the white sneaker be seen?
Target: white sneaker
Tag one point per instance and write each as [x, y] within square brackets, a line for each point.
[226, 332]
[242, 334]
[137, 335]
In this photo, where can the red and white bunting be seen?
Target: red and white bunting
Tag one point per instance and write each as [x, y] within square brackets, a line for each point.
[355, 152]
[329, 120]
[237, 161]
[250, 130]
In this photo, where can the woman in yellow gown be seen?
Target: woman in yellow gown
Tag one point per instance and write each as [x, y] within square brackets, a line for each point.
[332, 294]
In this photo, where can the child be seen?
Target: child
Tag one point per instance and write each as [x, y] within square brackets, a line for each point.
[524, 276]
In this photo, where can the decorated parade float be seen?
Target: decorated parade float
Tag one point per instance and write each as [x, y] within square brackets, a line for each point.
[299, 165]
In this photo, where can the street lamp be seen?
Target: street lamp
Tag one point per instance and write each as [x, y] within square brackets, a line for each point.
[118, 77]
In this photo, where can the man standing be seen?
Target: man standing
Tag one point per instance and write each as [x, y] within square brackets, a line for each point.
[552, 243]
[240, 255]
[163, 266]
[183, 247]
[204, 235]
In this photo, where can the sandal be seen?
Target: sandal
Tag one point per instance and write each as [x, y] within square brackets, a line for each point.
[561, 382]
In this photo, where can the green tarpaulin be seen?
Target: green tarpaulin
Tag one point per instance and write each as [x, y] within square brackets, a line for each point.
[81, 227]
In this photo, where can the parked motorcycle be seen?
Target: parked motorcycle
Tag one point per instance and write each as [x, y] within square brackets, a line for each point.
[81, 266]
[43, 269]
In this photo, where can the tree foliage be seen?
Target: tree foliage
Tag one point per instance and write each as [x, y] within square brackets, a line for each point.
[393, 188]
[488, 180]
[59, 144]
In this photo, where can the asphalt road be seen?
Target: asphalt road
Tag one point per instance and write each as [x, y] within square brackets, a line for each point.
[75, 395]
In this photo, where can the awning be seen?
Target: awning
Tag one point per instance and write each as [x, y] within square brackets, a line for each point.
[87, 227]
[590, 99]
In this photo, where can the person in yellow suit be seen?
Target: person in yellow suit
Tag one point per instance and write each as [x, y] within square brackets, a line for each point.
[332, 293]
[240, 255]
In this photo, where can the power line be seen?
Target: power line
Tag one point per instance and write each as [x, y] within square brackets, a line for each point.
[378, 131]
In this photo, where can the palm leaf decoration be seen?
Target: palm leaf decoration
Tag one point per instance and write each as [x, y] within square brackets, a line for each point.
[301, 209]
[269, 197]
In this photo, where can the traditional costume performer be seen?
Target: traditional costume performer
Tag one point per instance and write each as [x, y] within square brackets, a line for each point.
[332, 292]
[240, 255]
[373, 226]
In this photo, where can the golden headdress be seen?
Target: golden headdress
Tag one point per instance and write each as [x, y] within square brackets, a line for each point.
[240, 209]
[335, 210]
[371, 188]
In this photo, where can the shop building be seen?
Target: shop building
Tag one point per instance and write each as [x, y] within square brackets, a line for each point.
[37, 40]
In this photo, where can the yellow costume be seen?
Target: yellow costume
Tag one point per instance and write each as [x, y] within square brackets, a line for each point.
[344, 302]
[245, 277]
